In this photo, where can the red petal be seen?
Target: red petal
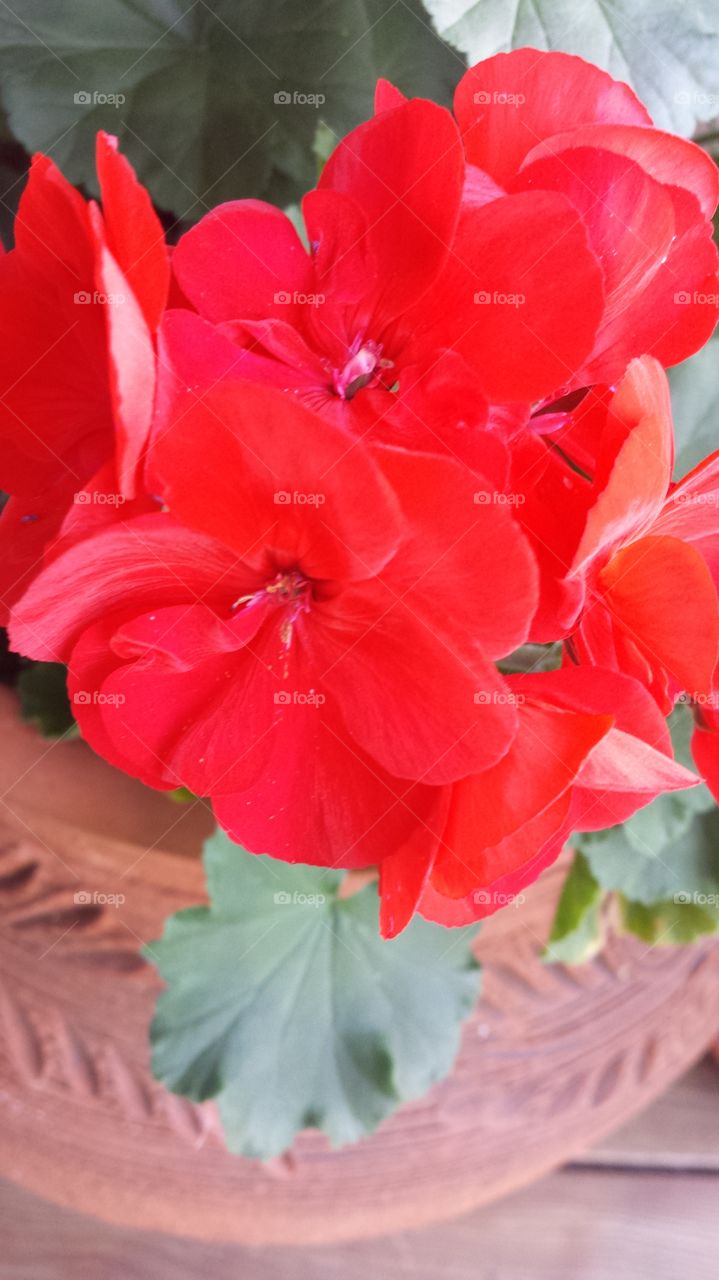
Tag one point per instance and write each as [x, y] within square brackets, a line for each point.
[148, 561]
[416, 704]
[459, 552]
[244, 260]
[656, 252]
[135, 236]
[131, 359]
[405, 169]
[51, 227]
[277, 479]
[690, 512]
[660, 591]
[489, 830]
[506, 890]
[386, 96]
[522, 293]
[509, 103]
[633, 482]
[622, 774]
[671, 160]
[404, 874]
[55, 411]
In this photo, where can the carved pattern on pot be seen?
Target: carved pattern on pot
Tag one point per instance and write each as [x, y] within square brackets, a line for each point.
[552, 1058]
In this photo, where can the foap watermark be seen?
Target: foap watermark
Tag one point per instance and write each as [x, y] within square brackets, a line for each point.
[495, 298]
[94, 98]
[94, 698]
[495, 498]
[499, 698]
[694, 698]
[285, 298]
[684, 899]
[695, 297]
[296, 498]
[87, 298]
[90, 498]
[91, 898]
[296, 98]
[498, 98]
[697, 98]
[298, 698]
[491, 898]
[296, 899]
[696, 499]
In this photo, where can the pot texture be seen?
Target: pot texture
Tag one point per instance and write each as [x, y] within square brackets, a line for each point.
[552, 1060]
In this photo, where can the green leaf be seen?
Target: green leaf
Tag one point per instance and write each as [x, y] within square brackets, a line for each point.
[687, 867]
[695, 407]
[533, 657]
[667, 846]
[42, 690]
[665, 923]
[577, 932]
[198, 93]
[284, 1003]
[181, 795]
[663, 862]
[667, 50]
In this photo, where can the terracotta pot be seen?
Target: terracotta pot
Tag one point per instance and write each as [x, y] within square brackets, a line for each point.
[552, 1060]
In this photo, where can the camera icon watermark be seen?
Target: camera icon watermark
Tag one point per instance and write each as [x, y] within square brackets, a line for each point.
[496, 298]
[296, 899]
[89, 498]
[285, 298]
[494, 497]
[91, 898]
[498, 698]
[295, 98]
[492, 898]
[94, 698]
[697, 98]
[685, 899]
[85, 298]
[498, 98]
[697, 298]
[93, 98]
[285, 498]
[298, 698]
[696, 698]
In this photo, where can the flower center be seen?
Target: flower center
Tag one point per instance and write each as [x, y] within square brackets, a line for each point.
[363, 367]
[292, 588]
[292, 591]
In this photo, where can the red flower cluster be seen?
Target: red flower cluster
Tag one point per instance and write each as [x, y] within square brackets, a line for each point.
[284, 509]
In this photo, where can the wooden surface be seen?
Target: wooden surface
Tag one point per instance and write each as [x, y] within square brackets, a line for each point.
[644, 1205]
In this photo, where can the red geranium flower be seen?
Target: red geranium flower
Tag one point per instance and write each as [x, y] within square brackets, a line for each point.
[307, 625]
[627, 558]
[439, 296]
[535, 121]
[391, 322]
[592, 748]
[82, 293]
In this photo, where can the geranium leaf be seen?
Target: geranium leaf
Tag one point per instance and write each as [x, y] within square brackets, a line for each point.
[284, 1003]
[695, 407]
[215, 100]
[666, 847]
[670, 922]
[667, 50]
[42, 690]
[577, 932]
[686, 868]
